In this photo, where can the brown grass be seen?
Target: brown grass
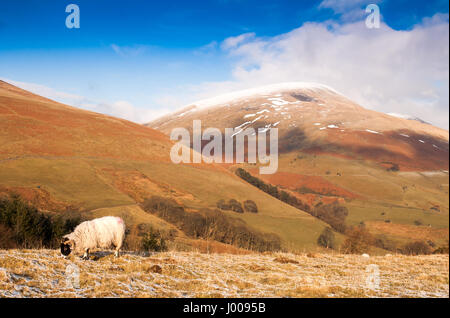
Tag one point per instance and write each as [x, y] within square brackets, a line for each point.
[41, 273]
[410, 232]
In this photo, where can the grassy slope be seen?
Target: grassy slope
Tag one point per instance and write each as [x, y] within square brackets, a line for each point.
[79, 183]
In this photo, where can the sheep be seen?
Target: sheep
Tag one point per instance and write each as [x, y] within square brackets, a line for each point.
[98, 233]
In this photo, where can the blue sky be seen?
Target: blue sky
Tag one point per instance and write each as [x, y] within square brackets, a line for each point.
[159, 55]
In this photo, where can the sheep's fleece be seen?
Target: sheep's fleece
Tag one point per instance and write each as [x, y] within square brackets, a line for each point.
[102, 233]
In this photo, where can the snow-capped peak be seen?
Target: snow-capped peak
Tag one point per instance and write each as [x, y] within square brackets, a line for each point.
[263, 90]
[408, 117]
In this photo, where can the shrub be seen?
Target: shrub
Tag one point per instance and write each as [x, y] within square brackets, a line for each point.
[267, 188]
[167, 209]
[28, 228]
[7, 239]
[250, 206]
[333, 214]
[153, 241]
[417, 248]
[394, 167]
[232, 205]
[441, 250]
[306, 190]
[235, 206]
[358, 241]
[212, 224]
[221, 204]
[418, 222]
[326, 239]
[383, 242]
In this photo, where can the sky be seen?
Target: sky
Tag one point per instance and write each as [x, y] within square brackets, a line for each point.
[141, 59]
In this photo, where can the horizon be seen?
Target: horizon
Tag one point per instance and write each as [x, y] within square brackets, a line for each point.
[145, 60]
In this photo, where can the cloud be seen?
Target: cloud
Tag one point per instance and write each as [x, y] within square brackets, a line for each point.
[129, 51]
[382, 69]
[207, 49]
[233, 42]
[348, 10]
[342, 6]
[47, 92]
[121, 109]
[126, 110]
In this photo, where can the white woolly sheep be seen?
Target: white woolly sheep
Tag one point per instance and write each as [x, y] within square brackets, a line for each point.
[102, 233]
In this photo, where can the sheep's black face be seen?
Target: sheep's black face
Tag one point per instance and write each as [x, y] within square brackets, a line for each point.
[65, 248]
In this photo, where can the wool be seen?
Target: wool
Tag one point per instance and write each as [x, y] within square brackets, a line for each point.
[104, 233]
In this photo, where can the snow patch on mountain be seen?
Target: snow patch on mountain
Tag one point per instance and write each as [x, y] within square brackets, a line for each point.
[261, 91]
[408, 117]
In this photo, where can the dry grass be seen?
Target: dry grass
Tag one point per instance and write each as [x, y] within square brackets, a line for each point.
[42, 273]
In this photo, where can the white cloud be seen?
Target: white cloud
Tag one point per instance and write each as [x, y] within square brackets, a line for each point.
[232, 42]
[122, 109]
[46, 91]
[207, 49]
[129, 51]
[383, 69]
[342, 6]
[126, 110]
[348, 10]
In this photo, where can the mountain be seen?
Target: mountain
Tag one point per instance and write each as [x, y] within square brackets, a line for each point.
[65, 160]
[391, 173]
[409, 117]
[317, 119]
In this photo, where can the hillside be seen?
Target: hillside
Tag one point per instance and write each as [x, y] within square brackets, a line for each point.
[390, 172]
[44, 273]
[66, 160]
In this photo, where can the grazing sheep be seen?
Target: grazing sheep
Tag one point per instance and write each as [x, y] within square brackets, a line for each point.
[99, 233]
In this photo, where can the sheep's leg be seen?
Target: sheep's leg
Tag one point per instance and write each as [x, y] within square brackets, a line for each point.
[86, 254]
[116, 253]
